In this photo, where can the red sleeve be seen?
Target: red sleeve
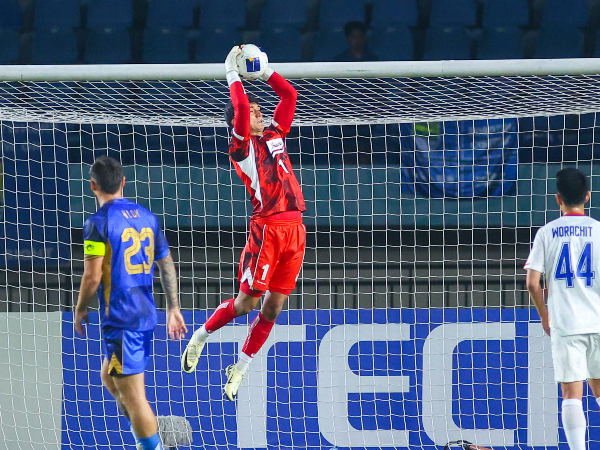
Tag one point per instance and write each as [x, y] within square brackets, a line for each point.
[241, 111]
[284, 112]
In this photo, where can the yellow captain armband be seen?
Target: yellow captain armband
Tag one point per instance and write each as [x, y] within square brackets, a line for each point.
[93, 248]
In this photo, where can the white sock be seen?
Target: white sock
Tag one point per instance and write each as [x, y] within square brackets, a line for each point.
[137, 439]
[574, 423]
[200, 335]
[243, 362]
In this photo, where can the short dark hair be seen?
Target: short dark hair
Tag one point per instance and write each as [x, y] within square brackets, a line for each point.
[107, 172]
[229, 109]
[355, 25]
[572, 186]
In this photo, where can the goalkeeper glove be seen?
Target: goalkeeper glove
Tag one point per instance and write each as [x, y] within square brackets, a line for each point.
[231, 70]
[267, 72]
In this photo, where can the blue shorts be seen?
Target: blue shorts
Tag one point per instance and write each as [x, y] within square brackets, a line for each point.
[127, 351]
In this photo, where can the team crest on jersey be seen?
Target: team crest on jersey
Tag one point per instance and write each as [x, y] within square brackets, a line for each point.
[275, 146]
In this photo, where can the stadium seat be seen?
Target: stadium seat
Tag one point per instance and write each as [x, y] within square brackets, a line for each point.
[11, 14]
[559, 42]
[215, 14]
[505, 12]
[394, 12]
[445, 43]
[170, 14]
[281, 44]
[213, 45]
[9, 45]
[329, 43]
[339, 12]
[455, 12]
[51, 14]
[501, 42]
[279, 13]
[392, 43]
[56, 46]
[108, 46]
[166, 45]
[572, 12]
[113, 14]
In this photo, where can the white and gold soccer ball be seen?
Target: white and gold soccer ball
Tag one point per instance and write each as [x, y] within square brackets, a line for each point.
[251, 62]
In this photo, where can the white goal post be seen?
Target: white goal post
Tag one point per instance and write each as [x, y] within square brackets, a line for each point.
[411, 326]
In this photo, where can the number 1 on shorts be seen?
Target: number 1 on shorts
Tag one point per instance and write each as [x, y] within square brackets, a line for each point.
[265, 269]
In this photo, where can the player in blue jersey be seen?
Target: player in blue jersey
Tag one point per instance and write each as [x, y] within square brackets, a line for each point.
[121, 242]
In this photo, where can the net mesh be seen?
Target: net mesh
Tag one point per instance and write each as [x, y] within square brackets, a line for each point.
[410, 326]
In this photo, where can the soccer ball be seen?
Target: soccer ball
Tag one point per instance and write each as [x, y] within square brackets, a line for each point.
[251, 62]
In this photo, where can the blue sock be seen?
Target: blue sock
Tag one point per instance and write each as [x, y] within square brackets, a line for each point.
[151, 443]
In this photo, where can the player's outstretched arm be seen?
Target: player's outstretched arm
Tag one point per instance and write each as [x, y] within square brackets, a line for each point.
[92, 275]
[284, 112]
[534, 286]
[168, 278]
[239, 99]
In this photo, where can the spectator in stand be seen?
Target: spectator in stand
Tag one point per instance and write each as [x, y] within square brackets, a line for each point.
[358, 44]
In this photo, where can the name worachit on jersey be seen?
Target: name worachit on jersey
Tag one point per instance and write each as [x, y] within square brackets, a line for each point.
[572, 230]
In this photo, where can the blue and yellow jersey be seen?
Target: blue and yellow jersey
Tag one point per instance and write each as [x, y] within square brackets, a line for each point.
[130, 239]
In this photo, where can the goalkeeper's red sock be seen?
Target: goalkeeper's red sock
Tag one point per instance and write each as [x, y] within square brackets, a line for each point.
[257, 335]
[224, 314]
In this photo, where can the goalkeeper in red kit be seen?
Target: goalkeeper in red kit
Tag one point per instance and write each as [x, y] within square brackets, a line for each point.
[272, 259]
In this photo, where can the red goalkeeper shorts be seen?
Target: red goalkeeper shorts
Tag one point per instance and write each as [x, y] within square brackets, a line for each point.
[272, 258]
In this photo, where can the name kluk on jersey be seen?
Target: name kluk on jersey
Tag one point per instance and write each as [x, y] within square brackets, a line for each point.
[572, 230]
[130, 213]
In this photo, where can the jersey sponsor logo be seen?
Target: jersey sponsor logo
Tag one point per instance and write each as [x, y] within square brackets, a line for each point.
[580, 231]
[275, 146]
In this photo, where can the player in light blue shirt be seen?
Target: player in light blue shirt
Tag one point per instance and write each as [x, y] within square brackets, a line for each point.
[121, 242]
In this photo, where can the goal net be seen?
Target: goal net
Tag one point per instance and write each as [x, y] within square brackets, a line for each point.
[410, 326]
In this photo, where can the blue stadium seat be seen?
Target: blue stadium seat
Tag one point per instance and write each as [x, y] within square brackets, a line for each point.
[338, 12]
[279, 13]
[559, 41]
[114, 14]
[214, 44]
[56, 46]
[166, 45]
[108, 46]
[445, 43]
[9, 45]
[11, 14]
[394, 12]
[501, 42]
[505, 12]
[392, 43]
[50, 14]
[329, 43]
[215, 14]
[455, 12]
[282, 44]
[170, 14]
[572, 12]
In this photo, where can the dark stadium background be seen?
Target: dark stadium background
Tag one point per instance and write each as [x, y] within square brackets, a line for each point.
[181, 31]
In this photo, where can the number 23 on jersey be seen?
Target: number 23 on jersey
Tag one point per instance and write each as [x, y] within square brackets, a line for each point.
[584, 267]
[145, 239]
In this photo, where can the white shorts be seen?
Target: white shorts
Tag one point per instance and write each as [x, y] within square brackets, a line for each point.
[576, 357]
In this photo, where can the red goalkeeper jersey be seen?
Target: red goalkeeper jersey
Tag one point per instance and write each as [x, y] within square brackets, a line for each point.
[263, 164]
